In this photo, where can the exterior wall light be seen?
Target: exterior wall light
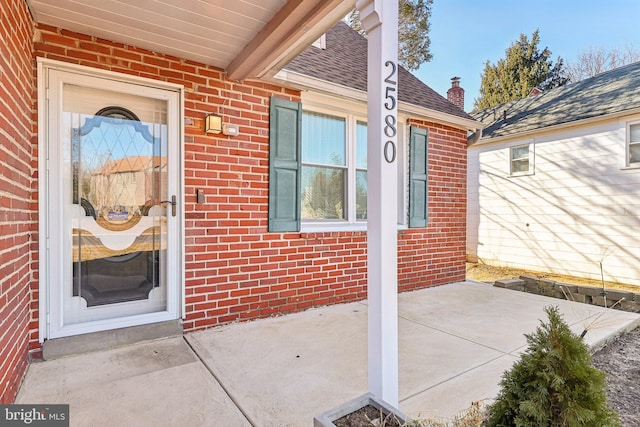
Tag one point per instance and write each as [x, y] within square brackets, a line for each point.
[212, 123]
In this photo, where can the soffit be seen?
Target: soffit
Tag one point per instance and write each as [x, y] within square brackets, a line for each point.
[246, 38]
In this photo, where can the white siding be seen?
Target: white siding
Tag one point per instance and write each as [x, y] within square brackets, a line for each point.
[579, 207]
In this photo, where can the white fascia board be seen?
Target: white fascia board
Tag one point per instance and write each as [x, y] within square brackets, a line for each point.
[301, 81]
[437, 116]
[555, 128]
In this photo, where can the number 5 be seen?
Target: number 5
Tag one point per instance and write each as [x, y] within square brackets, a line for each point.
[391, 98]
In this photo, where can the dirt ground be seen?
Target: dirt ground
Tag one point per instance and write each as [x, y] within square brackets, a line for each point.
[488, 273]
[620, 359]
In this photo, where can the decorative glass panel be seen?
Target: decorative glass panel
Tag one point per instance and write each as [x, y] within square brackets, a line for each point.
[118, 166]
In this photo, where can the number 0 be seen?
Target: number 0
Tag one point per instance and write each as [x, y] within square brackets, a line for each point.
[390, 152]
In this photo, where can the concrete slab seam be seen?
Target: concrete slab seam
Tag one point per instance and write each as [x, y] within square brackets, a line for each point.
[452, 377]
[452, 334]
[224, 388]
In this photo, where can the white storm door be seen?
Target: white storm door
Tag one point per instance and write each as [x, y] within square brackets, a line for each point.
[112, 204]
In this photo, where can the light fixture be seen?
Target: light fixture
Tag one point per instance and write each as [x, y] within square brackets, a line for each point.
[212, 123]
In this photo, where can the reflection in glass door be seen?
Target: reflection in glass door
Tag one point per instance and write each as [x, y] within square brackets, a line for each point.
[117, 197]
[119, 169]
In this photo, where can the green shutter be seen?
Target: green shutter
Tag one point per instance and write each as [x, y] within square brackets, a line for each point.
[418, 166]
[285, 122]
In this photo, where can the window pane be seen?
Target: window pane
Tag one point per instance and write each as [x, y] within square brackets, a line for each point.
[361, 145]
[634, 153]
[634, 133]
[361, 195]
[323, 195]
[323, 139]
[520, 152]
[520, 166]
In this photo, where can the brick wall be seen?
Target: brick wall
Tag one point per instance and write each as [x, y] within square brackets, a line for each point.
[436, 255]
[16, 202]
[235, 269]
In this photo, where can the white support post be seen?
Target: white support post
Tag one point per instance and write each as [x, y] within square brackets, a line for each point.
[380, 20]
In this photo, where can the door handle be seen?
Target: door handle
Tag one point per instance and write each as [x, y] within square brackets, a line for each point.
[173, 204]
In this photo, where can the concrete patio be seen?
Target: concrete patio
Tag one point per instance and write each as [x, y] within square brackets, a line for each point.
[455, 343]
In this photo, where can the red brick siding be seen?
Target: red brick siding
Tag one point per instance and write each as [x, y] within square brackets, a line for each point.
[435, 255]
[16, 203]
[235, 269]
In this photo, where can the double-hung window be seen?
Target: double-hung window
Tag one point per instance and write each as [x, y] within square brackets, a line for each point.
[318, 169]
[334, 168]
[633, 144]
[520, 160]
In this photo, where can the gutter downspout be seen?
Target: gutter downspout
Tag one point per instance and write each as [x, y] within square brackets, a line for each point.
[476, 137]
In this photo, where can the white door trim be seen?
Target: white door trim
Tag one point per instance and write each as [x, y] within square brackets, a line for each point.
[175, 301]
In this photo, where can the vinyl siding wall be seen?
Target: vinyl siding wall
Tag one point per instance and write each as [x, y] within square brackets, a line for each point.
[580, 206]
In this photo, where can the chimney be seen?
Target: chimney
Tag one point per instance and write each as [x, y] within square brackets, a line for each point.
[455, 94]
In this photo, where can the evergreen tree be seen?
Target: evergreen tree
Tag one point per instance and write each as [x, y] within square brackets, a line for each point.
[525, 67]
[413, 31]
[553, 384]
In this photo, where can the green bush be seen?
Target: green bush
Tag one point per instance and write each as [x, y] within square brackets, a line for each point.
[553, 384]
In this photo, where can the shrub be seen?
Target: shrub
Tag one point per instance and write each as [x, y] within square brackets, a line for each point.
[553, 384]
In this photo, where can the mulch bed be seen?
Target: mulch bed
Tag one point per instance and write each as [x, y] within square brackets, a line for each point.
[367, 416]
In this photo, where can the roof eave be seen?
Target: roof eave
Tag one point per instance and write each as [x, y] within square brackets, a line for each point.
[290, 31]
[304, 82]
[560, 126]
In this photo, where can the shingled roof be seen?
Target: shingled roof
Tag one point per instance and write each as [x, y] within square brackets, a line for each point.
[344, 62]
[612, 92]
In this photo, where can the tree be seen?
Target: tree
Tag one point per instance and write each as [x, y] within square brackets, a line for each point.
[594, 61]
[525, 67]
[413, 31]
[553, 384]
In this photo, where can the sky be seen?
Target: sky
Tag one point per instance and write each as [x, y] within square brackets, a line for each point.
[466, 33]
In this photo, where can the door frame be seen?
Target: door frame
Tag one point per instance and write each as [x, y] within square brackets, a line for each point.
[175, 292]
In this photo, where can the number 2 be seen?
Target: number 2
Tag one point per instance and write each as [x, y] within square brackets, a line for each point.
[389, 79]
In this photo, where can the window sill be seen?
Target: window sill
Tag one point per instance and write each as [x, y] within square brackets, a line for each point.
[630, 167]
[519, 174]
[327, 228]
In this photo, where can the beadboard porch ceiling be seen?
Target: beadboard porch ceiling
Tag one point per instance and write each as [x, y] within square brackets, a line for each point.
[246, 38]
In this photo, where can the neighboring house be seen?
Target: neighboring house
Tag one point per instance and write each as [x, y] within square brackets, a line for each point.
[126, 184]
[555, 178]
[96, 92]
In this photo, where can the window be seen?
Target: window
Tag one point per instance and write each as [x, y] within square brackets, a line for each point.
[318, 170]
[634, 144]
[520, 160]
[334, 168]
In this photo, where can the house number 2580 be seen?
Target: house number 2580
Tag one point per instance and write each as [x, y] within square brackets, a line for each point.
[390, 121]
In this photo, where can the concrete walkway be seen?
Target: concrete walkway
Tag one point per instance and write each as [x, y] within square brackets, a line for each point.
[455, 343]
